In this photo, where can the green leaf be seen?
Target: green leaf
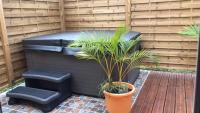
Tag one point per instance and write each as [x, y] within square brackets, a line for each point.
[191, 30]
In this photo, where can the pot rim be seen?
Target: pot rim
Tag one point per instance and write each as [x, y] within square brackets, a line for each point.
[123, 94]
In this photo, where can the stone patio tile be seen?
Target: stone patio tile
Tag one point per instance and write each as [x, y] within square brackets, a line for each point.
[74, 104]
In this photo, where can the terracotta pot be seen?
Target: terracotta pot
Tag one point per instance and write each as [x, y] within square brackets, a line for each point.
[119, 103]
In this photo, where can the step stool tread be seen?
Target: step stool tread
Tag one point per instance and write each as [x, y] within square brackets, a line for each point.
[54, 76]
[33, 94]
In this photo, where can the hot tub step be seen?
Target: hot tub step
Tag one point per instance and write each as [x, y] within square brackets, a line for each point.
[45, 99]
[52, 76]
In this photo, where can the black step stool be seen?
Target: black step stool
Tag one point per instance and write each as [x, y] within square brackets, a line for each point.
[46, 89]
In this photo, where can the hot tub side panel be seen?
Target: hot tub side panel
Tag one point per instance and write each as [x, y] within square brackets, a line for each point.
[86, 75]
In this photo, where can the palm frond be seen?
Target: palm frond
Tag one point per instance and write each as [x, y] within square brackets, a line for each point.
[191, 30]
[138, 57]
[127, 46]
[118, 34]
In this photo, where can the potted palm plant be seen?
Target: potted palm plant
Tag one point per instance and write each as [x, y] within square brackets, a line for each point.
[113, 53]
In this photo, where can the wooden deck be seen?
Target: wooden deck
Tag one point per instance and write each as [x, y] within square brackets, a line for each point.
[166, 93]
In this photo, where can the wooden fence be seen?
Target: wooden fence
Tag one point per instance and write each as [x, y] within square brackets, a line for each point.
[94, 14]
[158, 20]
[23, 19]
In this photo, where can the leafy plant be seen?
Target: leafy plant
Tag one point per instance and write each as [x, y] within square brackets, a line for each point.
[112, 53]
[191, 30]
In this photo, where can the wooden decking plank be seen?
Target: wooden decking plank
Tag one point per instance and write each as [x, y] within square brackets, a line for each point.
[143, 94]
[166, 93]
[149, 102]
[170, 96]
[160, 98]
[189, 88]
[180, 95]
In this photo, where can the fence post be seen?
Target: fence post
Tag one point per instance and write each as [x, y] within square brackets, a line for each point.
[128, 13]
[5, 45]
[196, 108]
[62, 15]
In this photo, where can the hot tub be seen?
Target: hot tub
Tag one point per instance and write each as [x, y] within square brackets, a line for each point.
[50, 52]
